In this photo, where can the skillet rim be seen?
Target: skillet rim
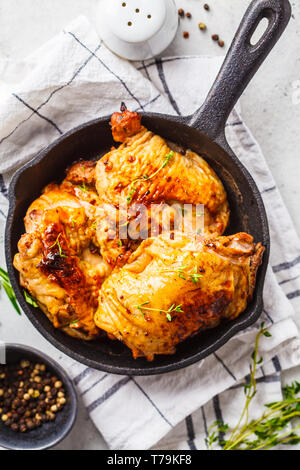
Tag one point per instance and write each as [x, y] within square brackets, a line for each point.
[230, 329]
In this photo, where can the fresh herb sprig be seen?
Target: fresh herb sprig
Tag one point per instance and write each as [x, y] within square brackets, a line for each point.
[83, 186]
[181, 272]
[133, 187]
[30, 300]
[57, 243]
[5, 282]
[268, 431]
[173, 308]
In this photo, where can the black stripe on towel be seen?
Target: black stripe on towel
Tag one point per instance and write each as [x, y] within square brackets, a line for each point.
[219, 416]
[152, 403]
[268, 190]
[286, 265]
[107, 68]
[82, 374]
[38, 113]
[225, 367]
[94, 384]
[162, 77]
[190, 431]
[293, 295]
[52, 93]
[110, 392]
[276, 364]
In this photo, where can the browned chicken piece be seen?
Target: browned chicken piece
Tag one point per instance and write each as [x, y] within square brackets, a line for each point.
[57, 260]
[149, 294]
[82, 172]
[172, 289]
[125, 124]
[145, 170]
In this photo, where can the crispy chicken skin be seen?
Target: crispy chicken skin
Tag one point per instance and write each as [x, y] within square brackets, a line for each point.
[186, 178]
[57, 260]
[137, 172]
[172, 289]
[125, 124]
[149, 294]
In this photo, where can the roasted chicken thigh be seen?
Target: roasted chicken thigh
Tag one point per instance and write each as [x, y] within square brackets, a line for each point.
[171, 289]
[144, 169]
[153, 291]
[58, 263]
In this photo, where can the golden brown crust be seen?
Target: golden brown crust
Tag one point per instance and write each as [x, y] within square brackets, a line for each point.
[210, 279]
[137, 173]
[82, 172]
[55, 260]
[88, 283]
[124, 125]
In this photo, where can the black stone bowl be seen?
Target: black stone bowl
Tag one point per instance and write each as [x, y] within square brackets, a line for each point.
[51, 433]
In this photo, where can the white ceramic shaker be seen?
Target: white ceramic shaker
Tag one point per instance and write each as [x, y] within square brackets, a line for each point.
[137, 29]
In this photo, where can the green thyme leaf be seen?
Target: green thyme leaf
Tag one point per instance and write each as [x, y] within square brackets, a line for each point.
[268, 431]
[5, 282]
[133, 187]
[83, 187]
[30, 300]
[57, 242]
[169, 318]
[168, 312]
[267, 334]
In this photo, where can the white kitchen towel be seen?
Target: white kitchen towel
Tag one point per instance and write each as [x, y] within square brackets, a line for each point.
[75, 78]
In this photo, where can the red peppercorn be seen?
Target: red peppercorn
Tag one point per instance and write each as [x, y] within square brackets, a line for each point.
[186, 35]
[181, 12]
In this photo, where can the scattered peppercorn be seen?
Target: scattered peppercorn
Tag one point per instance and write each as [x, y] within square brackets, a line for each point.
[186, 35]
[206, 7]
[26, 404]
[221, 43]
[202, 26]
[181, 12]
[215, 37]
[189, 15]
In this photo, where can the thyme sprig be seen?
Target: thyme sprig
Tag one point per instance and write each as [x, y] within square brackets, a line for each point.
[133, 187]
[268, 431]
[5, 282]
[30, 300]
[57, 243]
[173, 308]
[83, 186]
[186, 276]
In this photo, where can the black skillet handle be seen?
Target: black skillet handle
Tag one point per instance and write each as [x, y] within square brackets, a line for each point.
[241, 63]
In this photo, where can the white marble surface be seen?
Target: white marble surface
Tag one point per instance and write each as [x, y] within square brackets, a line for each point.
[269, 107]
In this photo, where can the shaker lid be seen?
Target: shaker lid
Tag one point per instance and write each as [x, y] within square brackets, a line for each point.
[137, 29]
[135, 20]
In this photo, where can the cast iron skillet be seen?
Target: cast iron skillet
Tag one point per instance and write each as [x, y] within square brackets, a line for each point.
[203, 133]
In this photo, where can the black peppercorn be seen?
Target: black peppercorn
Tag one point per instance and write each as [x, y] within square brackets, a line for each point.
[23, 403]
